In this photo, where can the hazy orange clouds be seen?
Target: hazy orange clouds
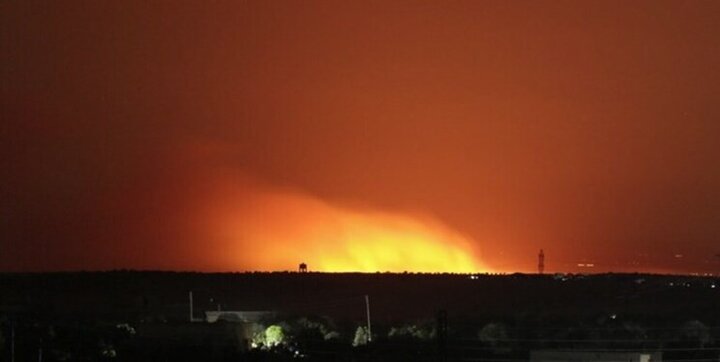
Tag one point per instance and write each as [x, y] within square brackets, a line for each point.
[129, 132]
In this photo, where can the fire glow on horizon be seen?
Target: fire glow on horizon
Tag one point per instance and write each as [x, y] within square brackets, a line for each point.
[277, 231]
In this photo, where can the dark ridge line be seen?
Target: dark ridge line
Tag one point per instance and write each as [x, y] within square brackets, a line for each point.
[378, 273]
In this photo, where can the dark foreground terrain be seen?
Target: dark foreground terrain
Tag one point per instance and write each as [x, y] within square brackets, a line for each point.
[145, 316]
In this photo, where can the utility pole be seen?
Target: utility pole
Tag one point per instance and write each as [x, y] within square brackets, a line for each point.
[441, 335]
[191, 307]
[541, 262]
[12, 342]
[367, 310]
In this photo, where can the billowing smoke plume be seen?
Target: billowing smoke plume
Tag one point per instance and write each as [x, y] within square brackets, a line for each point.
[271, 228]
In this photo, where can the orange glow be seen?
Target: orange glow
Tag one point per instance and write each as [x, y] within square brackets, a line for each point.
[277, 230]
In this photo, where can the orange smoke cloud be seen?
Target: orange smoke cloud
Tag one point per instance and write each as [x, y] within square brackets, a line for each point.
[234, 223]
[262, 229]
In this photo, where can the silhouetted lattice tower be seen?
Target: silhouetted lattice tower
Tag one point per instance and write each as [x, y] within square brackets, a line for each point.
[541, 262]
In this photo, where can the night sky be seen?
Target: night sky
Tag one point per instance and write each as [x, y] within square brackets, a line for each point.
[360, 135]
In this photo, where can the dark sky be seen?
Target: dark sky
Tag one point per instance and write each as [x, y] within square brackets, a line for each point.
[138, 134]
